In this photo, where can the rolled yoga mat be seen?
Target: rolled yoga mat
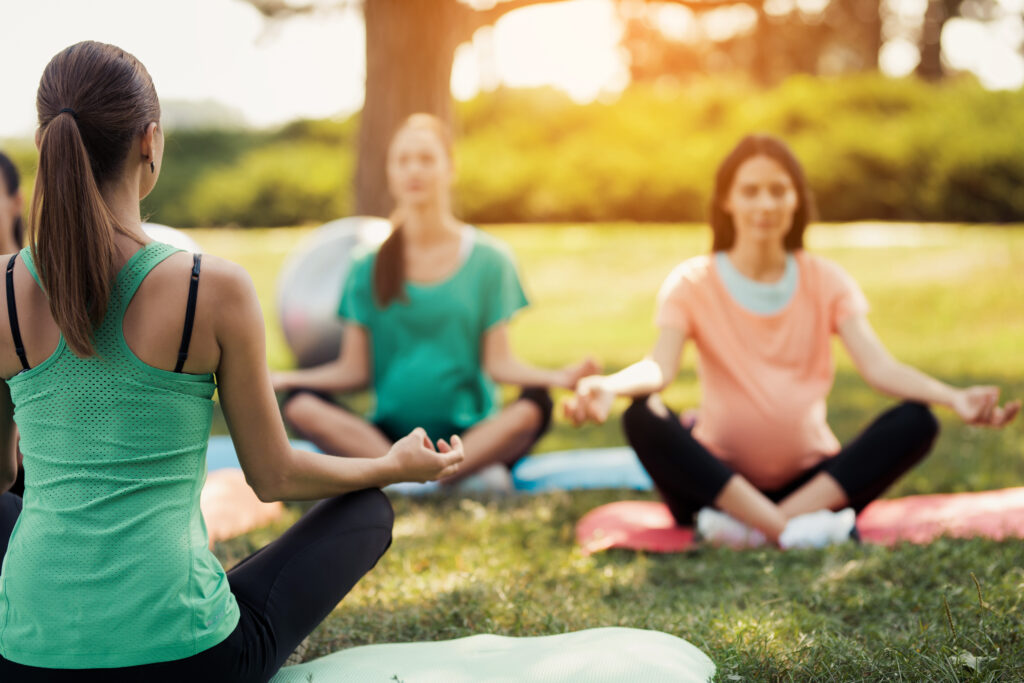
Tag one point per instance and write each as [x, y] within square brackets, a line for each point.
[600, 655]
[648, 525]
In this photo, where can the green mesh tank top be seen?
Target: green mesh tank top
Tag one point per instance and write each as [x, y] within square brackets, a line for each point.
[109, 563]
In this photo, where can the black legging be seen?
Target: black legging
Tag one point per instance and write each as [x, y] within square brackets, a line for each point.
[283, 591]
[689, 477]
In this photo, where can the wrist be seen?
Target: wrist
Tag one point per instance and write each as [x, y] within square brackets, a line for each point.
[951, 396]
[389, 471]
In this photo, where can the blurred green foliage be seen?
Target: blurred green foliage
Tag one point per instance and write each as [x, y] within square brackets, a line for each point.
[873, 147]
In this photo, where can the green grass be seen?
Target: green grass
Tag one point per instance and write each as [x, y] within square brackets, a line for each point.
[952, 610]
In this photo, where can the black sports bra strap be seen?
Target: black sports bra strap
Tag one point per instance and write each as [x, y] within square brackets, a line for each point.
[190, 313]
[12, 315]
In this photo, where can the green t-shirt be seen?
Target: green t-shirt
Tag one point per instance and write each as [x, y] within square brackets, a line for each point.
[427, 350]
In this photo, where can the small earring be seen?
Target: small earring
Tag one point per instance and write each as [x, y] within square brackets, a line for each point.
[152, 167]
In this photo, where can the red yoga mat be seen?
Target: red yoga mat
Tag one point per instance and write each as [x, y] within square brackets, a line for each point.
[648, 525]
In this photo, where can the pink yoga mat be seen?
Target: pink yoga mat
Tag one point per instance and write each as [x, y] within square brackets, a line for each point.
[648, 525]
[231, 508]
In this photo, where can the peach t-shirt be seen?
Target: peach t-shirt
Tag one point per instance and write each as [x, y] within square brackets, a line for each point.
[764, 378]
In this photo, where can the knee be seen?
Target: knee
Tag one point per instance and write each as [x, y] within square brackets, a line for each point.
[640, 413]
[373, 510]
[539, 418]
[298, 406]
[376, 508]
[919, 419]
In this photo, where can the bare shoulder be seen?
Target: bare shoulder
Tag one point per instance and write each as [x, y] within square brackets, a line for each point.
[226, 278]
[235, 305]
[823, 269]
[694, 271]
[218, 276]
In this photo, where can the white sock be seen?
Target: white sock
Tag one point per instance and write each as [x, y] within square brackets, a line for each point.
[818, 529]
[718, 528]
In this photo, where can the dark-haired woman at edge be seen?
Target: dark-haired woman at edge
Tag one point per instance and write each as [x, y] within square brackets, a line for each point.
[762, 312]
[12, 232]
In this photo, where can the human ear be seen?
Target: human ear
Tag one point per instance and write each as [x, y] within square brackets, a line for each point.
[147, 144]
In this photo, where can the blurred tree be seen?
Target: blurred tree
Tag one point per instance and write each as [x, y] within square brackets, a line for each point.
[841, 36]
[410, 48]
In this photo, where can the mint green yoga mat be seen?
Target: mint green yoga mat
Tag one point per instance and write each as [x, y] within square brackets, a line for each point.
[600, 655]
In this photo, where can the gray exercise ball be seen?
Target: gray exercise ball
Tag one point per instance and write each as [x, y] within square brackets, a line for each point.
[171, 236]
[309, 287]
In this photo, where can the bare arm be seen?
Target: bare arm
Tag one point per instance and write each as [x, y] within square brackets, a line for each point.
[274, 469]
[349, 372]
[975, 405]
[504, 367]
[594, 394]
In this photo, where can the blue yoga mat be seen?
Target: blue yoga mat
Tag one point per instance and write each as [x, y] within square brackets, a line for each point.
[220, 455]
[587, 468]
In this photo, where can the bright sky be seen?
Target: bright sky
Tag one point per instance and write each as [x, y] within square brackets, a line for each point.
[313, 66]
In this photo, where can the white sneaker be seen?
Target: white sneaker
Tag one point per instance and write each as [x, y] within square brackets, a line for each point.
[818, 529]
[718, 528]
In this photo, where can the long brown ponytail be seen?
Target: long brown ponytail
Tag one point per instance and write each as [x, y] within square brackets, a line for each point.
[94, 101]
[389, 265]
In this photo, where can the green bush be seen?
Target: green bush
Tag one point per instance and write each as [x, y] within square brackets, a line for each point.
[873, 148]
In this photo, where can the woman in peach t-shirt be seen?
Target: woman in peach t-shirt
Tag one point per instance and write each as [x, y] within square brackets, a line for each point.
[762, 312]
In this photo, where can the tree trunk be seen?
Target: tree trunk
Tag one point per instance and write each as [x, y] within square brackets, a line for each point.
[870, 14]
[930, 66]
[762, 67]
[410, 47]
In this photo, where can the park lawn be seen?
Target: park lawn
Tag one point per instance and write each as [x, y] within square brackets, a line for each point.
[946, 299]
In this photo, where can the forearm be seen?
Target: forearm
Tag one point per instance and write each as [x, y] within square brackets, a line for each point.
[902, 381]
[312, 476]
[332, 377]
[639, 379]
[513, 371]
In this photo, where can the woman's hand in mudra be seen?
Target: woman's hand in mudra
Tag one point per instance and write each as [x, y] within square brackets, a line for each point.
[980, 406]
[416, 459]
[592, 402]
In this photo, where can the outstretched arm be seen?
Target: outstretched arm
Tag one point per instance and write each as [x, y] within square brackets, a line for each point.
[594, 394]
[503, 366]
[975, 405]
[349, 372]
[274, 469]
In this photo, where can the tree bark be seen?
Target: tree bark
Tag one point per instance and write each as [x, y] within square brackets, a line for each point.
[410, 47]
[930, 67]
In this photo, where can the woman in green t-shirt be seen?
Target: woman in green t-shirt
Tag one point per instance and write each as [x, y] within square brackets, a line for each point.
[427, 317]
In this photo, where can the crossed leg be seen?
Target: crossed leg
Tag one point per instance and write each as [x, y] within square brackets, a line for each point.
[502, 438]
[689, 477]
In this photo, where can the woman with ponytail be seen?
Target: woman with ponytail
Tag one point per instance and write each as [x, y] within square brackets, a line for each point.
[113, 346]
[427, 318]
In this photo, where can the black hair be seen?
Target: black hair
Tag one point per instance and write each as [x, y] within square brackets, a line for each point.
[11, 182]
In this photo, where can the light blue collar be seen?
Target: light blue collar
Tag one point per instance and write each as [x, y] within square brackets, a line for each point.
[763, 298]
